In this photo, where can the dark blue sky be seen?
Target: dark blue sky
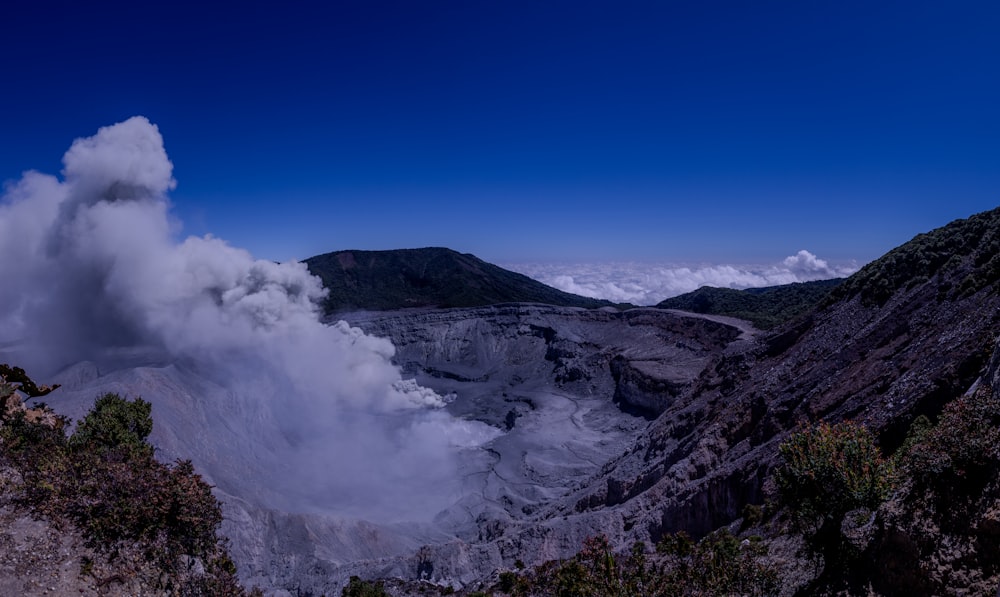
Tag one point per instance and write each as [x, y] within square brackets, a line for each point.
[531, 131]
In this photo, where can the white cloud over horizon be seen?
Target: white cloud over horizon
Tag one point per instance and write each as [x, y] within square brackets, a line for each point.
[650, 283]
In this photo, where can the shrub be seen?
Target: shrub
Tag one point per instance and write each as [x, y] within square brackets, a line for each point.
[363, 588]
[114, 423]
[962, 450]
[39, 453]
[753, 514]
[830, 470]
[105, 480]
[720, 564]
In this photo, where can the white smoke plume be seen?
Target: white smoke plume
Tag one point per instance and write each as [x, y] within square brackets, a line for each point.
[91, 266]
[650, 283]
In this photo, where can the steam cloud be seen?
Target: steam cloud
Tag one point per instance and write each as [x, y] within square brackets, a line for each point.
[648, 284]
[92, 266]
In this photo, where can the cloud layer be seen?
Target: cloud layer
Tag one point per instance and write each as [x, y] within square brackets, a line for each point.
[648, 284]
[91, 264]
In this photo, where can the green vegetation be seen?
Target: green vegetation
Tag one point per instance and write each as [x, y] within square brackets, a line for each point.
[363, 588]
[115, 423]
[766, 308]
[940, 534]
[970, 248]
[431, 277]
[833, 478]
[104, 480]
[962, 452]
[906, 524]
[719, 564]
[830, 470]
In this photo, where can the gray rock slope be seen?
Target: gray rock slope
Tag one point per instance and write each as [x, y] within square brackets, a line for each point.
[567, 390]
[630, 424]
[713, 445]
[572, 390]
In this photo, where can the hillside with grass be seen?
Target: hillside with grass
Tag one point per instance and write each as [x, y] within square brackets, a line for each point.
[960, 258]
[429, 277]
[766, 308]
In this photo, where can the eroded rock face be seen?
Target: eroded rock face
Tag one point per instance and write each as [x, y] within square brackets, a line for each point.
[564, 388]
[541, 376]
[712, 448]
[573, 389]
[634, 356]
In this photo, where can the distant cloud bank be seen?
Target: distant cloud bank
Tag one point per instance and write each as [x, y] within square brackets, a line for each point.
[650, 283]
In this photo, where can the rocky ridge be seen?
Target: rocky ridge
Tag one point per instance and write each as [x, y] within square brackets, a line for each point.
[878, 359]
[545, 376]
[628, 424]
[707, 456]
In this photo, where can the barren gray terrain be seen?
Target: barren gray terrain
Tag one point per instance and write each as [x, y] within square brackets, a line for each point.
[564, 390]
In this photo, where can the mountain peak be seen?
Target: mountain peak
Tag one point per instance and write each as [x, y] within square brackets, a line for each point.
[427, 277]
